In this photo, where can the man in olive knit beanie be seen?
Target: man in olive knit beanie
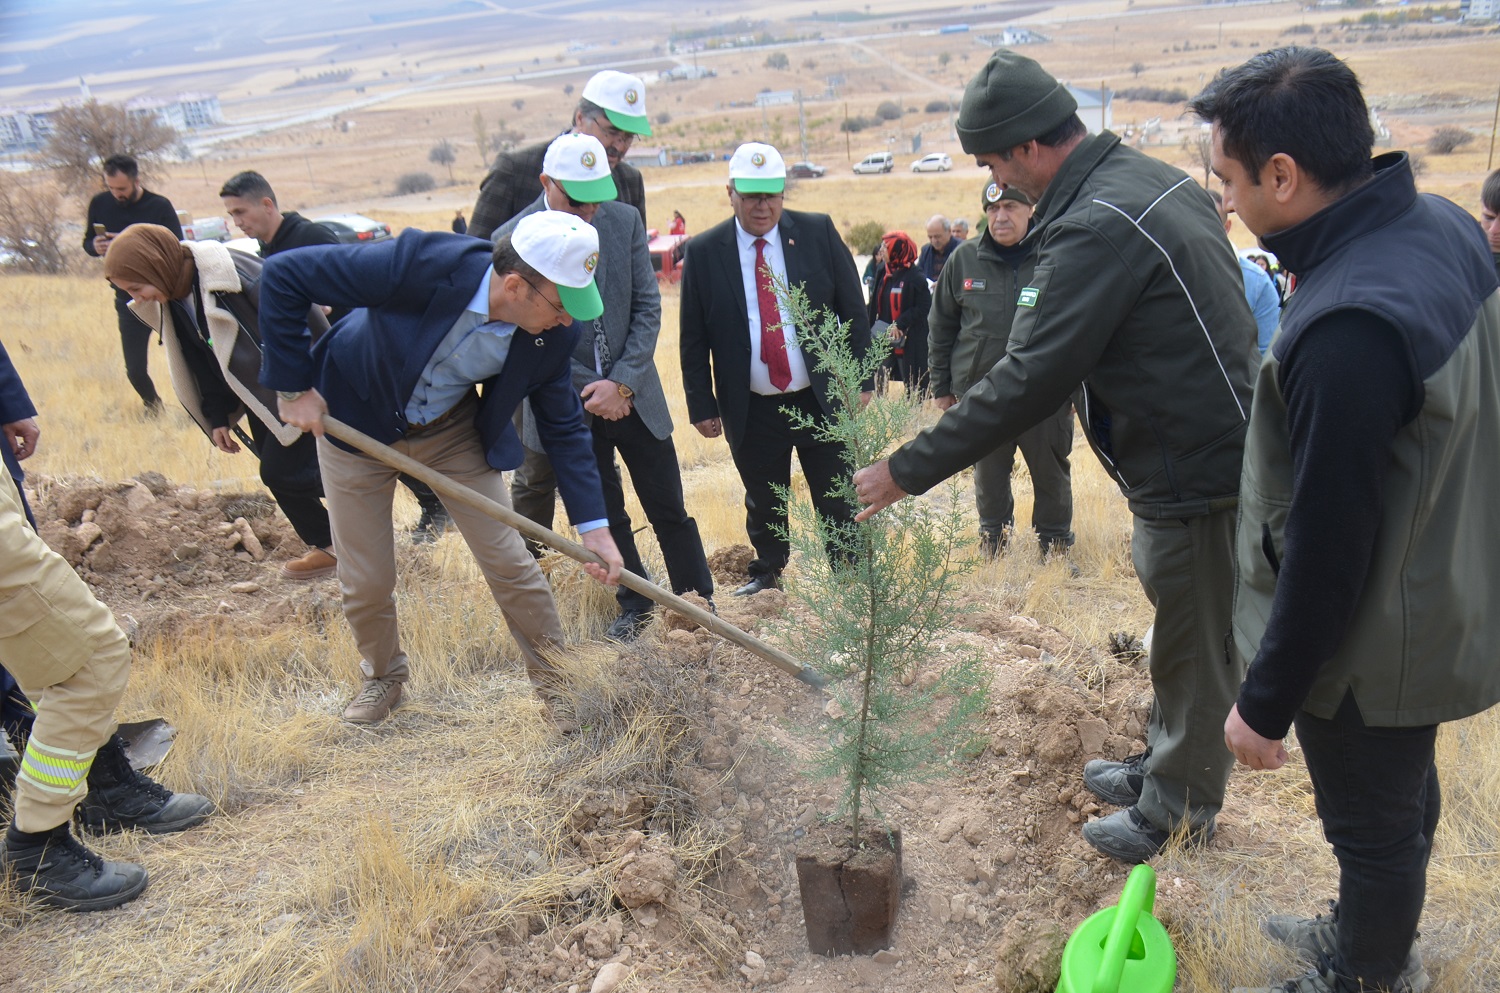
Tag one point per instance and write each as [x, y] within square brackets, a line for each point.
[1136, 303]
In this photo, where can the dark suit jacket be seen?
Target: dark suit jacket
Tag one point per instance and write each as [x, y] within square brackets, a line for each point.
[715, 324]
[631, 319]
[516, 180]
[411, 290]
[15, 405]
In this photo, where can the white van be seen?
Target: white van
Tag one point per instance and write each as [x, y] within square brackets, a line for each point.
[875, 162]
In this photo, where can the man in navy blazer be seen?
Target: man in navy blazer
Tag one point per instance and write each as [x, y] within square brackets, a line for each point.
[436, 315]
[742, 367]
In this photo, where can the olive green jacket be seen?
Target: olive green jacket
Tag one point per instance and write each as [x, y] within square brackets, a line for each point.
[1137, 295]
[972, 307]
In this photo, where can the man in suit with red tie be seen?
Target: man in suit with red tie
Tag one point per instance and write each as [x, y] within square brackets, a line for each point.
[742, 366]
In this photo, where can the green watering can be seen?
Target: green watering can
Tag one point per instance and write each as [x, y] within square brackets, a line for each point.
[1121, 949]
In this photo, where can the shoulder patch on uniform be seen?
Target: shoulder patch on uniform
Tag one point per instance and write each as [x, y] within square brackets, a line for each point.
[973, 284]
[1029, 296]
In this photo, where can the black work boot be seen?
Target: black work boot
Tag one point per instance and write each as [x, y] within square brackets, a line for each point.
[56, 870]
[121, 798]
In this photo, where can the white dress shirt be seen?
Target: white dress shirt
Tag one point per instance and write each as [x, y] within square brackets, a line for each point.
[760, 376]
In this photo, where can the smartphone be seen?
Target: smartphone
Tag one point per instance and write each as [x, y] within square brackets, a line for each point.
[98, 230]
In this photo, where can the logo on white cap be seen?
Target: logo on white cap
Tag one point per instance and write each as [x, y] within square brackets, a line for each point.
[578, 163]
[757, 167]
[565, 251]
[622, 97]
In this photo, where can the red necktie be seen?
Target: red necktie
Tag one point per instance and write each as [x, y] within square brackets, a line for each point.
[772, 341]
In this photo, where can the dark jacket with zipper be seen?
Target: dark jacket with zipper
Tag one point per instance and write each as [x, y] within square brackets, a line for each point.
[1137, 295]
[972, 307]
[1405, 610]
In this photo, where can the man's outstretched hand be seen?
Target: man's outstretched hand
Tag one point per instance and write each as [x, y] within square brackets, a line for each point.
[876, 489]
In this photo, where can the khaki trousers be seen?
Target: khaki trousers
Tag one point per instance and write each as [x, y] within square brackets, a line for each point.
[71, 659]
[359, 491]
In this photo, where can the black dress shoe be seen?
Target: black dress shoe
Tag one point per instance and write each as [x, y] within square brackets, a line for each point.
[629, 625]
[756, 584]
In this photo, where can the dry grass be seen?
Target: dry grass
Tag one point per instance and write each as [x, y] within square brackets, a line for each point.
[378, 860]
[347, 859]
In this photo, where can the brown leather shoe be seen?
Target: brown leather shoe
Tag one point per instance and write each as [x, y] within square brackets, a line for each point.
[376, 699]
[314, 565]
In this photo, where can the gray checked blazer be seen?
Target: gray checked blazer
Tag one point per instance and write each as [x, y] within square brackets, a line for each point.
[632, 315]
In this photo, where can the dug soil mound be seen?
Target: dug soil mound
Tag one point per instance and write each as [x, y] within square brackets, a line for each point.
[996, 873]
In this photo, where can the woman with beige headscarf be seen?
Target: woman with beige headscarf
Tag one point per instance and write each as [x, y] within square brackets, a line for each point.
[202, 298]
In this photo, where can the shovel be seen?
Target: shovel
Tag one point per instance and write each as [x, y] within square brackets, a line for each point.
[450, 490]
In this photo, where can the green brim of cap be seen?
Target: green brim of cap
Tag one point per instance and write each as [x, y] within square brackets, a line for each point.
[627, 122]
[590, 190]
[583, 303]
[772, 184]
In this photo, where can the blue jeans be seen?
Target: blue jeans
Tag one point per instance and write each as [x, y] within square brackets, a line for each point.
[1377, 794]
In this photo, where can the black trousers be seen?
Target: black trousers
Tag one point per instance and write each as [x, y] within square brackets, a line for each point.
[135, 343]
[1377, 794]
[764, 461]
[657, 479]
[291, 473]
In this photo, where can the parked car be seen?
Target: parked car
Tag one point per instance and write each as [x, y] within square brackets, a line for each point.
[933, 162]
[804, 170]
[355, 229]
[203, 228]
[875, 162]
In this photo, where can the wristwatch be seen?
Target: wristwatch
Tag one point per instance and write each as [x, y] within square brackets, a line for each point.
[292, 395]
[624, 390]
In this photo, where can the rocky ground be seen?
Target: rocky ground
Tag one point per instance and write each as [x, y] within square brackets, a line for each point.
[996, 873]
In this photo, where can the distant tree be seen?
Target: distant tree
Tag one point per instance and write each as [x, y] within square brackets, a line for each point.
[443, 154]
[809, 64]
[1448, 139]
[1200, 147]
[888, 110]
[31, 226]
[519, 104]
[83, 136]
[1136, 68]
[778, 60]
[414, 182]
[938, 106]
[481, 139]
[568, 90]
[664, 118]
[944, 58]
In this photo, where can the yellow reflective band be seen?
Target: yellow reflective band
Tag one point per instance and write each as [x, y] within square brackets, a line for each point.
[54, 770]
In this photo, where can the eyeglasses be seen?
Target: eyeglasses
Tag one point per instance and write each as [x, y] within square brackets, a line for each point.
[566, 317]
[760, 197]
[611, 135]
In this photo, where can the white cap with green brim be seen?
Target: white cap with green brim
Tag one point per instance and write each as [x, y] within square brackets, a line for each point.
[757, 167]
[577, 163]
[564, 249]
[622, 98]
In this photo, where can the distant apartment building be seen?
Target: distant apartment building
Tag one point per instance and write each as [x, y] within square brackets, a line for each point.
[27, 128]
[188, 112]
[1474, 10]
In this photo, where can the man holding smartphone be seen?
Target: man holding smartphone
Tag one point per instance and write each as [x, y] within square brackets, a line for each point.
[125, 202]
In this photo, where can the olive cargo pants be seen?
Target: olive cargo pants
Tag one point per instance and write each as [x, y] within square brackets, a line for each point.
[1187, 569]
